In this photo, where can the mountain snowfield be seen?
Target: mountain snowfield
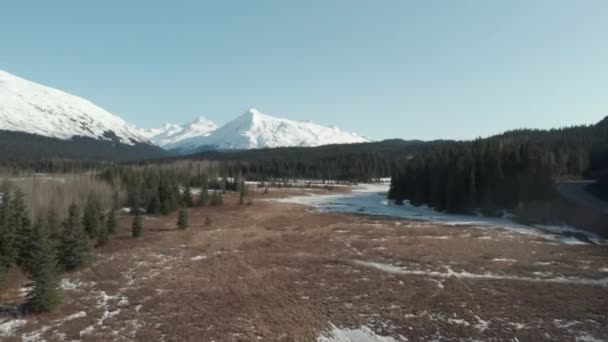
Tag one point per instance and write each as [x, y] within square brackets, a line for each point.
[254, 129]
[32, 108]
[170, 134]
[29, 107]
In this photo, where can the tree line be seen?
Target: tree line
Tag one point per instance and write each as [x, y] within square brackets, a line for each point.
[500, 172]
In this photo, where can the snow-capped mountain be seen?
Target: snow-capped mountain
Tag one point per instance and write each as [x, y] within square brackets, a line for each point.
[170, 133]
[254, 129]
[32, 108]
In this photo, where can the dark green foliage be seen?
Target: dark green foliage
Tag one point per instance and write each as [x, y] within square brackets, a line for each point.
[92, 218]
[187, 197]
[35, 150]
[137, 227]
[216, 198]
[154, 206]
[203, 197]
[44, 294]
[8, 253]
[52, 222]
[112, 221]
[74, 250]
[484, 174]
[182, 219]
[24, 232]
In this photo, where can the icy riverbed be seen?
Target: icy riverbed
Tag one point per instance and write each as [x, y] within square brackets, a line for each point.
[370, 199]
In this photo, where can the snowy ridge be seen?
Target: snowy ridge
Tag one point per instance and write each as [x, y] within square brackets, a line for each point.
[254, 129]
[33, 108]
[171, 133]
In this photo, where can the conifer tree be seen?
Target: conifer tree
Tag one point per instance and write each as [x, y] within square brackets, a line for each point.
[91, 219]
[187, 197]
[74, 250]
[112, 221]
[154, 206]
[182, 219]
[23, 229]
[138, 226]
[203, 198]
[165, 207]
[8, 253]
[53, 225]
[44, 294]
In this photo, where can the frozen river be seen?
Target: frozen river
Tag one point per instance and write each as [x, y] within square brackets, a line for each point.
[370, 199]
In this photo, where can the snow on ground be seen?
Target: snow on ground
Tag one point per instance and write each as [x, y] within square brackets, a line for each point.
[543, 278]
[8, 327]
[361, 334]
[370, 199]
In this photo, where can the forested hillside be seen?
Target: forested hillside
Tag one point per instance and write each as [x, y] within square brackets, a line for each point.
[344, 162]
[500, 172]
[18, 148]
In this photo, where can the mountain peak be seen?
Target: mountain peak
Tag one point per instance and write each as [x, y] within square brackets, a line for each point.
[254, 129]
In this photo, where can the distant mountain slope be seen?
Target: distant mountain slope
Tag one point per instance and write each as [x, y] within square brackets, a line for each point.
[40, 112]
[170, 134]
[254, 130]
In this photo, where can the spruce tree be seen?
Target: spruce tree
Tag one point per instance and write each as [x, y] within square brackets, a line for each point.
[137, 227]
[52, 222]
[165, 207]
[74, 250]
[182, 219]
[112, 221]
[154, 205]
[24, 232]
[44, 294]
[203, 197]
[8, 253]
[187, 197]
[91, 219]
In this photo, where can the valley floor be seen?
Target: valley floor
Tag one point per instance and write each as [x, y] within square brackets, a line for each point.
[279, 272]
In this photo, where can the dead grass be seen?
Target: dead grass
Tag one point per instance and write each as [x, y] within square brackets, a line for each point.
[277, 272]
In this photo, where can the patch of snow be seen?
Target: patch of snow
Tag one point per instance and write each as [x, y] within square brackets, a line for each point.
[361, 334]
[198, 257]
[8, 327]
[489, 276]
[586, 337]
[504, 260]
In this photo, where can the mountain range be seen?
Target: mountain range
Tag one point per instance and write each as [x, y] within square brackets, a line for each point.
[46, 116]
[251, 130]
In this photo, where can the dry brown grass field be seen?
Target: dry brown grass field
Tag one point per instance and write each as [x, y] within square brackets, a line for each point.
[279, 272]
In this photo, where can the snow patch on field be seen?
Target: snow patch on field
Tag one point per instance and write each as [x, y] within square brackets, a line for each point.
[8, 327]
[504, 260]
[361, 334]
[198, 257]
[488, 276]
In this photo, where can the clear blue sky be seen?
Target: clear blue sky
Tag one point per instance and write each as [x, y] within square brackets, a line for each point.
[409, 69]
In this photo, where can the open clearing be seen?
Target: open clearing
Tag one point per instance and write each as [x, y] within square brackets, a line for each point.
[279, 272]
